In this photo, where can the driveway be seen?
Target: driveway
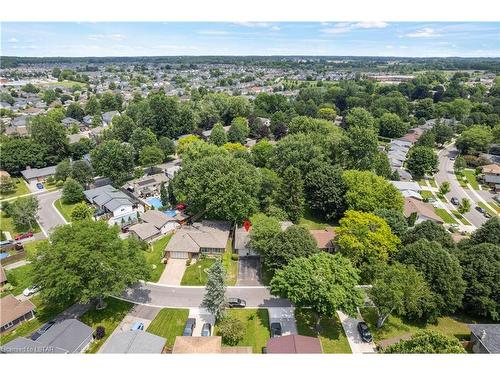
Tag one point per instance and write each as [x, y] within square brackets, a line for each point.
[249, 271]
[350, 326]
[285, 316]
[202, 316]
[48, 216]
[174, 270]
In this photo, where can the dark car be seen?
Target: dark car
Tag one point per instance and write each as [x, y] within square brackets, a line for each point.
[206, 330]
[480, 210]
[275, 329]
[365, 334]
[236, 302]
[42, 330]
[189, 327]
[39, 186]
[455, 201]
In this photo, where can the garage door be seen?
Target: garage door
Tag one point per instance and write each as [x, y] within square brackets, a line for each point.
[178, 255]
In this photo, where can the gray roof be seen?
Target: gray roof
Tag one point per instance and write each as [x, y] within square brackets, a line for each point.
[241, 239]
[490, 338]
[134, 342]
[155, 218]
[107, 196]
[70, 335]
[22, 345]
[207, 234]
[38, 172]
[144, 230]
[406, 185]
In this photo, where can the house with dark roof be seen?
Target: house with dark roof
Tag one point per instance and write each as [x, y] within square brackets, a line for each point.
[13, 312]
[134, 342]
[155, 223]
[22, 345]
[70, 335]
[324, 239]
[294, 344]
[38, 174]
[485, 338]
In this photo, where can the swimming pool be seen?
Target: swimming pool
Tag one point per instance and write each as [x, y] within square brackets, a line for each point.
[4, 255]
[155, 202]
[170, 213]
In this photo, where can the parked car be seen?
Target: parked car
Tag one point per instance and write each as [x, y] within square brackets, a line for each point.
[206, 330]
[31, 290]
[236, 302]
[455, 201]
[6, 243]
[189, 327]
[39, 185]
[275, 329]
[22, 236]
[480, 210]
[365, 334]
[42, 330]
[138, 326]
[125, 229]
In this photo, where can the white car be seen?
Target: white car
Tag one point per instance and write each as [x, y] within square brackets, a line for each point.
[31, 290]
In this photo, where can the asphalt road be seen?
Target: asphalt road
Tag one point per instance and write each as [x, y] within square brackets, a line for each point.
[48, 216]
[173, 296]
[446, 173]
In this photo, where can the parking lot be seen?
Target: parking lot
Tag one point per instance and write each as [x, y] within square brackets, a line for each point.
[286, 317]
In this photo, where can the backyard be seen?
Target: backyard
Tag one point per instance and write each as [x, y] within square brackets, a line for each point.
[256, 331]
[154, 256]
[109, 318]
[169, 323]
[7, 225]
[311, 221]
[470, 175]
[331, 333]
[19, 278]
[21, 189]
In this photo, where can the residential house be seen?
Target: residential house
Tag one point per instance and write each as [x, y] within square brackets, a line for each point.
[408, 189]
[75, 138]
[155, 223]
[114, 205]
[146, 186]
[294, 344]
[424, 211]
[22, 131]
[38, 174]
[491, 175]
[207, 237]
[205, 345]
[324, 239]
[485, 338]
[70, 335]
[134, 342]
[22, 345]
[241, 243]
[107, 117]
[14, 312]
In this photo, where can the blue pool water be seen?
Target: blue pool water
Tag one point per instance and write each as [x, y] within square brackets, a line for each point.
[170, 213]
[155, 202]
[3, 255]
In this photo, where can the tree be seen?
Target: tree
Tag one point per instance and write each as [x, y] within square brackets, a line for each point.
[324, 282]
[395, 219]
[441, 270]
[167, 146]
[481, 266]
[50, 134]
[63, 170]
[368, 192]
[325, 190]
[171, 196]
[93, 107]
[239, 130]
[264, 230]
[391, 126]
[489, 232]
[360, 148]
[366, 240]
[7, 185]
[291, 194]
[218, 135]
[215, 291]
[231, 329]
[444, 188]
[114, 160]
[123, 127]
[464, 206]
[24, 211]
[262, 152]
[185, 142]
[142, 137]
[49, 96]
[163, 195]
[427, 342]
[360, 117]
[327, 113]
[150, 156]
[475, 140]
[96, 120]
[17, 153]
[442, 132]
[81, 211]
[401, 290]
[421, 160]
[431, 231]
[292, 243]
[81, 171]
[87, 261]
[75, 111]
[72, 191]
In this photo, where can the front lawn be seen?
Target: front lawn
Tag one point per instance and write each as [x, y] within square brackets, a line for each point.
[169, 323]
[331, 334]
[21, 189]
[256, 331]
[460, 217]
[486, 208]
[443, 214]
[65, 209]
[7, 225]
[196, 274]
[470, 175]
[230, 265]
[154, 256]
[109, 318]
[426, 194]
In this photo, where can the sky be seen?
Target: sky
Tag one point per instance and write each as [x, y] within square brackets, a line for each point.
[410, 39]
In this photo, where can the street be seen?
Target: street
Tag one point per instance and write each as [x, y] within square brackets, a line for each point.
[48, 216]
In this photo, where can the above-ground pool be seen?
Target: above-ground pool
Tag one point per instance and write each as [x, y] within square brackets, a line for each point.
[155, 202]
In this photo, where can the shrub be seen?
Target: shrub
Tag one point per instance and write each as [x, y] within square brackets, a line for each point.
[231, 329]
[100, 332]
[59, 183]
[234, 256]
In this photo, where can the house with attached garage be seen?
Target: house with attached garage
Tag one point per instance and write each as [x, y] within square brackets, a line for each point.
[423, 211]
[13, 312]
[134, 342]
[408, 189]
[38, 174]
[491, 175]
[155, 223]
[207, 237]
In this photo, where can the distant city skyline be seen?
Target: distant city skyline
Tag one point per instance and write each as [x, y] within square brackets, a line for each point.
[399, 39]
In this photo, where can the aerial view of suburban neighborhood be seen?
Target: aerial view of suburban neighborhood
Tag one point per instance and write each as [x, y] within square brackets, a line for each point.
[256, 203]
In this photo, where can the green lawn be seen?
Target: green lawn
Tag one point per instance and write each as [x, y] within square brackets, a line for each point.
[169, 323]
[495, 205]
[196, 275]
[230, 265]
[21, 189]
[470, 174]
[30, 247]
[331, 334]
[460, 217]
[433, 182]
[43, 314]
[154, 256]
[311, 221]
[109, 318]
[7, 225]
[486, 208]
[65, 209]
[443, 214]
[427, 194]
[396, 327]
[19, 278]
[256, 331]
[460, 179]
[67, 84]
[422, 182]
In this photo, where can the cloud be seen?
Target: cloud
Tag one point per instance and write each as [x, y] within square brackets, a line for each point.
[344, 27]
[370, 25]
[107, 37]
[13, 40]
[254, 24]
[426, 32]
[213, 32]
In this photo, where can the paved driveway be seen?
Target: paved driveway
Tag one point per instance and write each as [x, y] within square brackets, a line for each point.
[48, 216]
[249, 271]
[172, 275]
[285, 316]
[350, 326]
[202, 316]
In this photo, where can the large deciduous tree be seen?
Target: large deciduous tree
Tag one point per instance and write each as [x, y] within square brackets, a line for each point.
[431, 231]
[391, 126]
[291, 194]
[427, 342]
[72, 191]
[218, 135]
[421, 161]
[24, 211]
[114, 160]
